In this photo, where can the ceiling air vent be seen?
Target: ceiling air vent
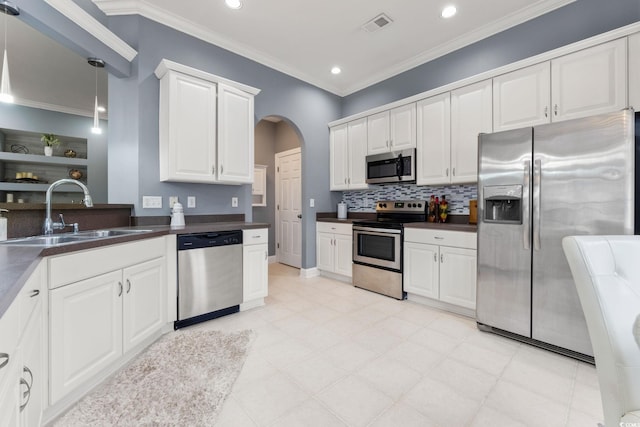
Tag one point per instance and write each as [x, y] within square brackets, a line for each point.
[377, 23]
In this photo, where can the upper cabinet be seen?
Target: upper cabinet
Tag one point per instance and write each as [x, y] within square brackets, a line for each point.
[434, 140]
[590, 81]
[206, 127]
[392, 130]
[471, 114]
[348, 151]
[634, 70]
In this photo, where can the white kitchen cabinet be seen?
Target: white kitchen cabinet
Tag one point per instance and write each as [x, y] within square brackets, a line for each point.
[255, 267]
[112, 300]
[348, 151]
[259, 186]
[10, 394]
[334, 248]
[392, 130]
[235, 135]
[522, 98]
[590, 81]
[206, 129]
[634, 70]
[434, 140]
[33, 384]
[10, 369]
[471, 114]
[441, 265]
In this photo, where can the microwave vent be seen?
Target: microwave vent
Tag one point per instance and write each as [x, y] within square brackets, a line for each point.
[377, 23]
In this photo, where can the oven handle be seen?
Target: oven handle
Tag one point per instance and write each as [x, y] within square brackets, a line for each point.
[374, 230]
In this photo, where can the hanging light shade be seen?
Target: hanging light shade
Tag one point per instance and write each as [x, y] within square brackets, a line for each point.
[97, 63]
[7, 8]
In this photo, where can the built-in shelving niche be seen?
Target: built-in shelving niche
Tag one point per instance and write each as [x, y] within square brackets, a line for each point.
[22, 151]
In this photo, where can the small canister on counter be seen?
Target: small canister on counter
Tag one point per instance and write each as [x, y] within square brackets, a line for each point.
[342, 210]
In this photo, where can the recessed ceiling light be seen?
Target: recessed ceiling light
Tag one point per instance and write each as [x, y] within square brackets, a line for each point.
[449, 11]
[336, 70]
[233, 4]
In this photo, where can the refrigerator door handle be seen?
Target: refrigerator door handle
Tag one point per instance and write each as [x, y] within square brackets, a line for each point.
[526, 218]
[537, 171]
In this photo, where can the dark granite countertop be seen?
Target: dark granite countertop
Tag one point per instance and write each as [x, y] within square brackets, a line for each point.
[455, 223]
[18, 262]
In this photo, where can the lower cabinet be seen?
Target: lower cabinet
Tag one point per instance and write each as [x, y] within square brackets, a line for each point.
[33, 380]
[441, 265]
[95, 321]
[334, 248]
[255, 267]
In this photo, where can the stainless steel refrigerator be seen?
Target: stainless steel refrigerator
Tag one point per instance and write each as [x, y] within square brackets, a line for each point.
[535, 186]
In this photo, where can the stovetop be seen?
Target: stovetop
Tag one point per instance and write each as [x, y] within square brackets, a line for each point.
[394, 213]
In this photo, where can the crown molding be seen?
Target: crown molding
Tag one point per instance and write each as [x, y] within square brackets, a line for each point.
[88, 23]
[145, 8]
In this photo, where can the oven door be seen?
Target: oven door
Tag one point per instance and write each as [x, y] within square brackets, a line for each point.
[378, 247]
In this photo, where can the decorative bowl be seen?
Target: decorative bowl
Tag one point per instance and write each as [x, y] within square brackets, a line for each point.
[70, 153]
[75, 174]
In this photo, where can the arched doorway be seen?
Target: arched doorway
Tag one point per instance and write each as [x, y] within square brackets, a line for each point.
[276, 142]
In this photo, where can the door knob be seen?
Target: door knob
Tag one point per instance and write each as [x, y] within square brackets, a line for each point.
[299, 215]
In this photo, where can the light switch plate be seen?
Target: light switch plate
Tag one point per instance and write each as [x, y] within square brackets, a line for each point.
[312, 203]
[172, 201]
[191, 201]
[152, 202]
[234, 202]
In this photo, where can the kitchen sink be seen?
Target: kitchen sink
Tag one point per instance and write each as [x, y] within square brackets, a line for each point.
[68, 238]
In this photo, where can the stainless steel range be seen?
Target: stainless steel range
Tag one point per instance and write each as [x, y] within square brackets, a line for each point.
[377, 246]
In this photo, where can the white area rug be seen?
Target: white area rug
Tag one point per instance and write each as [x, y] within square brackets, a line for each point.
[180, 380]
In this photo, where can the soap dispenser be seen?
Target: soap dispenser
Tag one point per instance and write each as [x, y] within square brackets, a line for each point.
[3, 225]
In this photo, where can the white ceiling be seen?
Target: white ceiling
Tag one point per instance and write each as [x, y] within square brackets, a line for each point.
[301, 38]
[306, 39]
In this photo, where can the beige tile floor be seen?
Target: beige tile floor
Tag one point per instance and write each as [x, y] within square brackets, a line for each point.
[328, 354]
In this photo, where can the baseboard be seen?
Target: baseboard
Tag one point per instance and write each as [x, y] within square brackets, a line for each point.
[463, 311]
[336, 276]
[259, 302]
[307, 273]
[273, 259]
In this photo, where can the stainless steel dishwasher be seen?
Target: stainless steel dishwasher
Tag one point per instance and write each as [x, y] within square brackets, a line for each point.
[209, 276]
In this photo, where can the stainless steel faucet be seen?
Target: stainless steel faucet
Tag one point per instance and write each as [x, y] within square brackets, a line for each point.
[49, 225]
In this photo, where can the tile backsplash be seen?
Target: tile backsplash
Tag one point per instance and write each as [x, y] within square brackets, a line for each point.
[458, 196]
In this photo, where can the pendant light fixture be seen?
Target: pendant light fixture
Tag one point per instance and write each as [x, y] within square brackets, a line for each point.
[97, 63]
[7, 8]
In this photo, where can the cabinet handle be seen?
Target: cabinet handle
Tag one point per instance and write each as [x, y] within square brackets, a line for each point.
[387, 143]
[128, 285]
[441, 258]
[447, 172]
[26, 394]
[221, 169]
[265, 255]
[34, 293]
[348, 180]
[555, 110]
[435, 258]
[453, 172]
[345, 180]
[546, 111]
[120, 286]
[213, 170]
[28, 371]
[6, 358]
[439, 238]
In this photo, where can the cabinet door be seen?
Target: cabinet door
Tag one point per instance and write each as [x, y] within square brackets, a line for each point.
[634, 70]
[357, 137]
[10, 396]
[143, 301]
[33, 372]
[343, 254]
[338, 158]
[402, 127]
[85, 331]
[458, 276]
[324, 251]
[522, 98]
[434, 140]
[187, 129]
[471, 114]
[235, 135]
[255, 271]
[421, 269]
[378, 133]
[590, 81]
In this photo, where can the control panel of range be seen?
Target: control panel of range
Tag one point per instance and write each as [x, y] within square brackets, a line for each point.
[401, 206]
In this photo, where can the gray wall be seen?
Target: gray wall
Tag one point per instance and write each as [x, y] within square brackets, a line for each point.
[29, 119]
[265, 143]
[134, 130]
[571, 23]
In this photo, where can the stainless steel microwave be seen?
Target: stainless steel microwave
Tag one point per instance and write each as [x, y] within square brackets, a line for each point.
[395, 166]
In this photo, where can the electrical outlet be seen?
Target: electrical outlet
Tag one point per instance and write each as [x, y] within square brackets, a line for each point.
[234, 202]
[191, 201]
[151, 202]
[172, 201]
[312, 203]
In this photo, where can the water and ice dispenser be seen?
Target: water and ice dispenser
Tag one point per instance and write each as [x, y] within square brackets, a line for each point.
[503, 204]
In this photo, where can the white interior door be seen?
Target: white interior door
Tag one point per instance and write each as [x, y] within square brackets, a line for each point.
[289, 208]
